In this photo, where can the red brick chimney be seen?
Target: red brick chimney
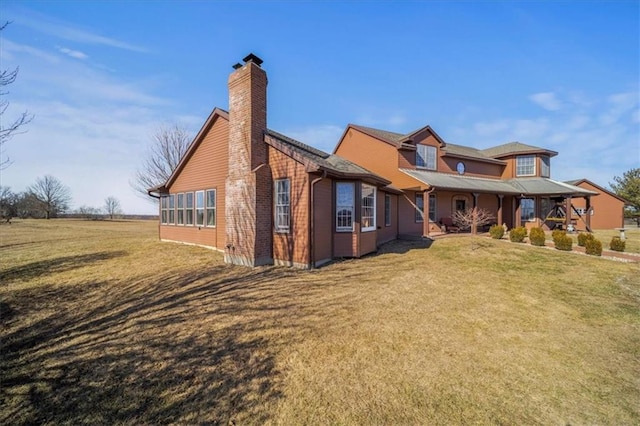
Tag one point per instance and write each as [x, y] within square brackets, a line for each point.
[248, 192]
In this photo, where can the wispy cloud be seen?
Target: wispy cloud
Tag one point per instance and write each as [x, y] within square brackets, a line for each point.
[72, 53]
[546, 100]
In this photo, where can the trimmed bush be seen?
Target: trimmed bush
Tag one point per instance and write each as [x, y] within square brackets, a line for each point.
[496, 231]
[593, 247]
[617, 244]
[557, 233]
[537, 237]
[518, 234]
[563, 242]
[583, 237]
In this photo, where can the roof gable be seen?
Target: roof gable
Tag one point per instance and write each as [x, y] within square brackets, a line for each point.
[577, 182]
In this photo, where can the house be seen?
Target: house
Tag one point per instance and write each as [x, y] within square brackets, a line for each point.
[264, 198]
[607, 209]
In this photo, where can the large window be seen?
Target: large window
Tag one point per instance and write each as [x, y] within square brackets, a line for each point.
[180, 208]
[432, 207]
[426, 157]
[172, 211]
[526, 165]
[419, 207]
[282, 205]
[199, 208]
[545, 167]
[211, 207]
[527, 209]
[188, 211]
[387, 210]
[164, 209]
[368, 212]
[344, 206]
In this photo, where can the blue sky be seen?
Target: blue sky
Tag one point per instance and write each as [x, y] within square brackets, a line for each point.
[100, 77]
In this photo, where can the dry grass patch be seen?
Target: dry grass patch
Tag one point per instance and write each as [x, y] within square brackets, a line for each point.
[104, 324]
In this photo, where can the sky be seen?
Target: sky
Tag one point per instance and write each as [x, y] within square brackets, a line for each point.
[100, 77]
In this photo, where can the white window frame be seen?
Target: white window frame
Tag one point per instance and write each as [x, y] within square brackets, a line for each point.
[387, 210]
[530, 210]
[282, 205]
[426, 157]
[210, 211]
[199, 208]
[180, 209]
[419, 207]
[345, 207]
[524, 164]
[172, 209]
[164, 213]
[368, 208]
[545, 166]
[188, 208]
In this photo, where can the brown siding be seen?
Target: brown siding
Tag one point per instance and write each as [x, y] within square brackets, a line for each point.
[472, 168]
[206, 169]
[407, 224]
[323, 220]
[387, 233]
[292, 247]
[345, 244]
[608, 211]
[368, 242]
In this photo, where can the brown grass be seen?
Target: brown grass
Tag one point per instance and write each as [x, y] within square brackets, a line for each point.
[101, 323]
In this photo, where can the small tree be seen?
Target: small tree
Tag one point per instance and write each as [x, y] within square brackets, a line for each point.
[472, 219]
[51, 195]
[112, 206]
[8, 204]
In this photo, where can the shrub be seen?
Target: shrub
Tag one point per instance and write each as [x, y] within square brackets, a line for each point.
[583, 237]
[557, 233]
[537, 237]
[593, 247]
[617, 244]
[563, 242]
[518, 234]
[496, 231]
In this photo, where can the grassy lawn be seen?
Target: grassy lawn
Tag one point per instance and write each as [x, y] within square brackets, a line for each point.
[101, 323]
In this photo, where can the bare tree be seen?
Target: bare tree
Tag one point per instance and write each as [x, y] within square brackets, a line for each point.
[8, 204]
[7, 131]
[52, 196]
[472, 218]
[112, 206]
[168, 145]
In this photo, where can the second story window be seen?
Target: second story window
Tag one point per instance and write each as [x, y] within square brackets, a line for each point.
[526, 165]
[545, 168]
[426, 157]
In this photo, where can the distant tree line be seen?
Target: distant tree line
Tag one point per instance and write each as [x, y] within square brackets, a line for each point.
[49, 198]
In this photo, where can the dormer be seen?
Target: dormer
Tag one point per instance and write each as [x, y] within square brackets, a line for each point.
[523, 160]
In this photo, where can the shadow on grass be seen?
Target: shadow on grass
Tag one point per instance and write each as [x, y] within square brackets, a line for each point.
[404, 246]
[191, 348]
[58, 264]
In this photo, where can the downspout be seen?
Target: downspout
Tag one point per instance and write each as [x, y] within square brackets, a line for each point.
[312, 249]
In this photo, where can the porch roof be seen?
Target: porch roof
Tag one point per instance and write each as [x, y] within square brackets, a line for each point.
[516, 186]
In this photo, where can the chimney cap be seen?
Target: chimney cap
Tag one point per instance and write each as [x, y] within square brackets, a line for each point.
[252, 58]
[237, 65]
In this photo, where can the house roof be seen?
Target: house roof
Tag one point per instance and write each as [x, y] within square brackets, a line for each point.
[393, 138]
[577, 182]
[460, 151]
[515, 148]
[516, 186]
[317, 160]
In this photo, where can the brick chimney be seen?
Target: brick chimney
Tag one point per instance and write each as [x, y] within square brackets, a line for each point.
[248, 191]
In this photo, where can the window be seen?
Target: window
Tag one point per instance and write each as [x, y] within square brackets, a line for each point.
[172, 211]
[199, 208]
[545, 167]
[344, 206]
[545, 207]
[387, 210]
[180, 209]
[211, 207]
[527, 209]
[426, 157]
[188, 211]
[282, 205]
[368, 212]
[419, 208]
[432, 207]
[526, 165]
[164, 204]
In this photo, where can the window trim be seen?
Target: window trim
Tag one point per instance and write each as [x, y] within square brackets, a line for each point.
[518, 167]
[372, 197]
[281, 210]
[180, 214]
[172, 209]
[387, 209]
[208, 209]
[531, 209]
[351, 208]
[197, 223]
[425, 159]
[164, 213]
[189, 218]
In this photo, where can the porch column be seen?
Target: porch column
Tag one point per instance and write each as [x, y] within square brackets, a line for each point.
[567, 218]
[474, 226]
[516, 212]
[425, 218]
[499, 218]
[587, 205]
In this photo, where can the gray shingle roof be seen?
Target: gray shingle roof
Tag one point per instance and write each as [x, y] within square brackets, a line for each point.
[516, 186]
[468, 152]
[514, 148]
[385, 135]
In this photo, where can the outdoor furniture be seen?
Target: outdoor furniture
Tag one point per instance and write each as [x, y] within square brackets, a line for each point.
[448, 225]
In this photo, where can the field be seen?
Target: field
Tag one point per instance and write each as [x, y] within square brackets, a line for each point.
[103, 324]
